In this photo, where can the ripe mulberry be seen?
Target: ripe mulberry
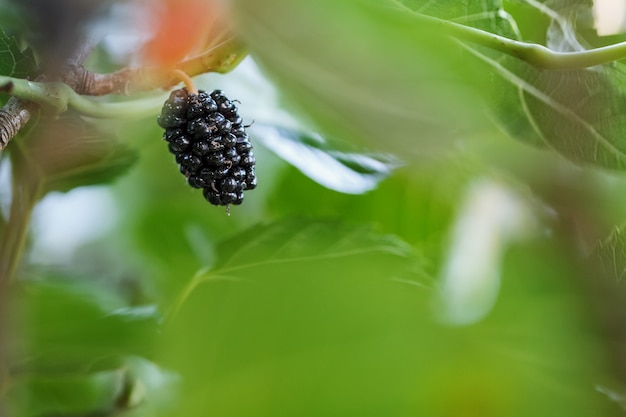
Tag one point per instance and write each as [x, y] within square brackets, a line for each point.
[207, 136]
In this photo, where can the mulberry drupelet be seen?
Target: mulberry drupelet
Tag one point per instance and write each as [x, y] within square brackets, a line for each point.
[208, 138]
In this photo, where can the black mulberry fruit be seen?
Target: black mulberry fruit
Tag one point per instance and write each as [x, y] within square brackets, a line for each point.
[208, 139]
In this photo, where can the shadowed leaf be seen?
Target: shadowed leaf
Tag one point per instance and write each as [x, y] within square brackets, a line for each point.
[69, 153]
[15, 61]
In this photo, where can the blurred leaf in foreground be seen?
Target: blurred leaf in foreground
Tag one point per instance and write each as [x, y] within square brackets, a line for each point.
[69, 152]
[275, 302]
[388, 74]
[313, 318]
[65, 327]
[365, 72]
[73, 347]
[68, 394]
[82, 155]
[132, 385]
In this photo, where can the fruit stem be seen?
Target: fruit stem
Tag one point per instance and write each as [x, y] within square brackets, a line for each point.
[186, 79]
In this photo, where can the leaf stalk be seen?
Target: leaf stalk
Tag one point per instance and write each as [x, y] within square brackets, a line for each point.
[534, 54]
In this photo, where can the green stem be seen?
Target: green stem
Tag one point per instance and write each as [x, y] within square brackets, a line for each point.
[534, 54]
[45, 94]
[59, 96]
[24, 197]
[129, 110]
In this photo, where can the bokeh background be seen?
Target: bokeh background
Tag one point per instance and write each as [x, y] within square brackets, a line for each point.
[427, 237]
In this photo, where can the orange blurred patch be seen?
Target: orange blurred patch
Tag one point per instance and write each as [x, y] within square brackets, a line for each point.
[178, 27]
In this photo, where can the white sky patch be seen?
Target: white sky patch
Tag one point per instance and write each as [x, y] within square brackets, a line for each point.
[64, 222]
[491, 217]
[609, 16]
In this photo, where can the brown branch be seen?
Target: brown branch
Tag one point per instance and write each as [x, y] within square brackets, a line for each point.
[14, 116]
[90, 83]
[221, 58]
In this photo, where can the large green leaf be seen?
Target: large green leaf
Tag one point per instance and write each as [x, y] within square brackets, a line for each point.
[237, 315]
[576, 112]
[313, 318]
[383, 73]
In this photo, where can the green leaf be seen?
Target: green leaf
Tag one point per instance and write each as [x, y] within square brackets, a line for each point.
[415, 203]
[289, 277]
[66, 395]
[500, 94]
[69, 153]
[65, 327]
[345, 171]
[314, 318]
[297, 241]
[411, 68]
[15, 61]
[130, 385]
[575, 112]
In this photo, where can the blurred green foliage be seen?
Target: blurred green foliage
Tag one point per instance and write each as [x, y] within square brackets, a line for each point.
[311, 301]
